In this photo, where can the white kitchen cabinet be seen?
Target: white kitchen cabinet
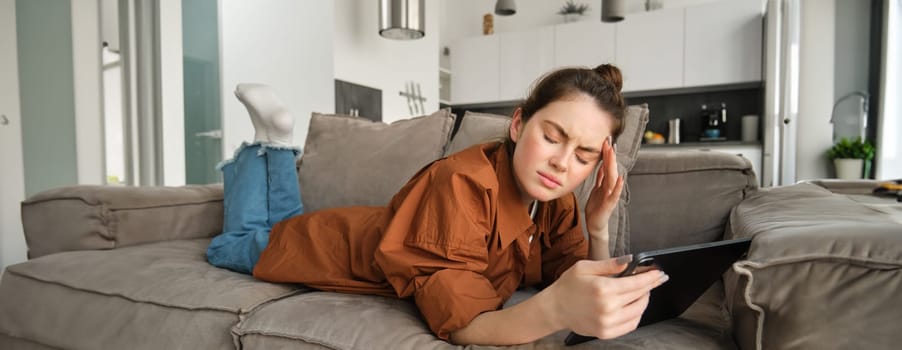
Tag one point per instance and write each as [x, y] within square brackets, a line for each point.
[723, 43]
[524, 57]
[650, 50]
[715, 43]
[475, 65]
[584, 43]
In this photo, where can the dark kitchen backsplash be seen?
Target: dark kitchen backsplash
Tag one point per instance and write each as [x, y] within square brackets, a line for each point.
[688, 108]
[664, 106]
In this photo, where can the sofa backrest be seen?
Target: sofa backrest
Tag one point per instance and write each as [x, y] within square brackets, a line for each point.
[685, 197]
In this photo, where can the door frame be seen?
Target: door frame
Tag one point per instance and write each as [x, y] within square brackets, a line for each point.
[12, 178]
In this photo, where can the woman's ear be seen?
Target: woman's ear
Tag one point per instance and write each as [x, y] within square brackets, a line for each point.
[516, 124]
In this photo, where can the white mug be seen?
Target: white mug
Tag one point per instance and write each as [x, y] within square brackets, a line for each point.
[749, 128]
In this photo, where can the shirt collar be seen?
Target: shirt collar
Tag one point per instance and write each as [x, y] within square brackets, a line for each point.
[513, 214]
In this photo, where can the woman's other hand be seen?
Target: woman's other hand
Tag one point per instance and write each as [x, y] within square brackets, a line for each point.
[590, 301]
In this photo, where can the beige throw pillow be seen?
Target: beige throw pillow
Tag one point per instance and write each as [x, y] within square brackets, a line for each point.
[351, 161]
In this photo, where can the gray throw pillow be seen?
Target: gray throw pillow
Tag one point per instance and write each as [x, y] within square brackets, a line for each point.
[478, 128]
[351, 161]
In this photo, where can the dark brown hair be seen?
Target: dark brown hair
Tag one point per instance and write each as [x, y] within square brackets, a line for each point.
[603, 84]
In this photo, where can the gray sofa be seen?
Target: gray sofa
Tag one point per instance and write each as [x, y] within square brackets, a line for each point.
[124, 268]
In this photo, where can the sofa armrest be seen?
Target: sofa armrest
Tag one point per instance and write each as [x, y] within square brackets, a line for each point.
[824, 270]
[684, 197]
[107, 217]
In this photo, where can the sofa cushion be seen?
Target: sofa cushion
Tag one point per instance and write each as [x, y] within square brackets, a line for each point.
[166, 293]
[824, 271]
[344, 321]
[352, 161]
[482, 127]
[107, 217]
[339, 321]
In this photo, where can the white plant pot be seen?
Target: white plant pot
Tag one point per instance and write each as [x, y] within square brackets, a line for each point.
[849, 168]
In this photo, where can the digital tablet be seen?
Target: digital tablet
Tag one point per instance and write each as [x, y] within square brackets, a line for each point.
[692, 270]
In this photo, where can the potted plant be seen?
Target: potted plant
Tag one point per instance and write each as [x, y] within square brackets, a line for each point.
[852, 159]
[571, 9]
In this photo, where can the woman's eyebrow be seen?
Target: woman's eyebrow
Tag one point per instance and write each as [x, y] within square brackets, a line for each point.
[564, 134]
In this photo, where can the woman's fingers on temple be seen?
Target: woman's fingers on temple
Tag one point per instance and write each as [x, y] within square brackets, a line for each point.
[618, 187]
[599, 176]
[606, 161]
[610, 169]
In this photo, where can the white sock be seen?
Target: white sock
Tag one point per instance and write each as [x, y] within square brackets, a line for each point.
[280, 127]
[259, 129]
[272, 121]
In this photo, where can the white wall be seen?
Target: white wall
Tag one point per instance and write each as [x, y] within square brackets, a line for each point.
[286, 44]
[851, 67]
[816, 80]
[853, 31]
[86, 64]
[365, 58]
[12, 178]
[889, 148]
[172, 96]
[834, 54]
[444, 26]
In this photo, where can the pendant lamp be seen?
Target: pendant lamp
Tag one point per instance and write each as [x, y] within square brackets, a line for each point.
[612, 10]
[402, 19]
[505, 7]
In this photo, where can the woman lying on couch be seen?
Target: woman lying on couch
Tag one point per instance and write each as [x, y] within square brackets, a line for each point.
[465, 232]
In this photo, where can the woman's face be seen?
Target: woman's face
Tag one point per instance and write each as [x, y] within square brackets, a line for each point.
[559, 147]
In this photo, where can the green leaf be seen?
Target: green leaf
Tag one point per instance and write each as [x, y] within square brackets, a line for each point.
[859, 149]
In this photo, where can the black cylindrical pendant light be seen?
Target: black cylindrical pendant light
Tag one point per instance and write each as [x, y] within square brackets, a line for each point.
[402, 19]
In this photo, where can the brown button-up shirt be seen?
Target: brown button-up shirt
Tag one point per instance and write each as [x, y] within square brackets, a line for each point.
[457, 238]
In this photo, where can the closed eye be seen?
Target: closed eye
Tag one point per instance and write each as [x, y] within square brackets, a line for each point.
[585, 157]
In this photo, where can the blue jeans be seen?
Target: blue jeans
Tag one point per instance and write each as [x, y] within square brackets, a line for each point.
[260, 189]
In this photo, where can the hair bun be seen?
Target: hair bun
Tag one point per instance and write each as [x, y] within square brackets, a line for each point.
[610, 73]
